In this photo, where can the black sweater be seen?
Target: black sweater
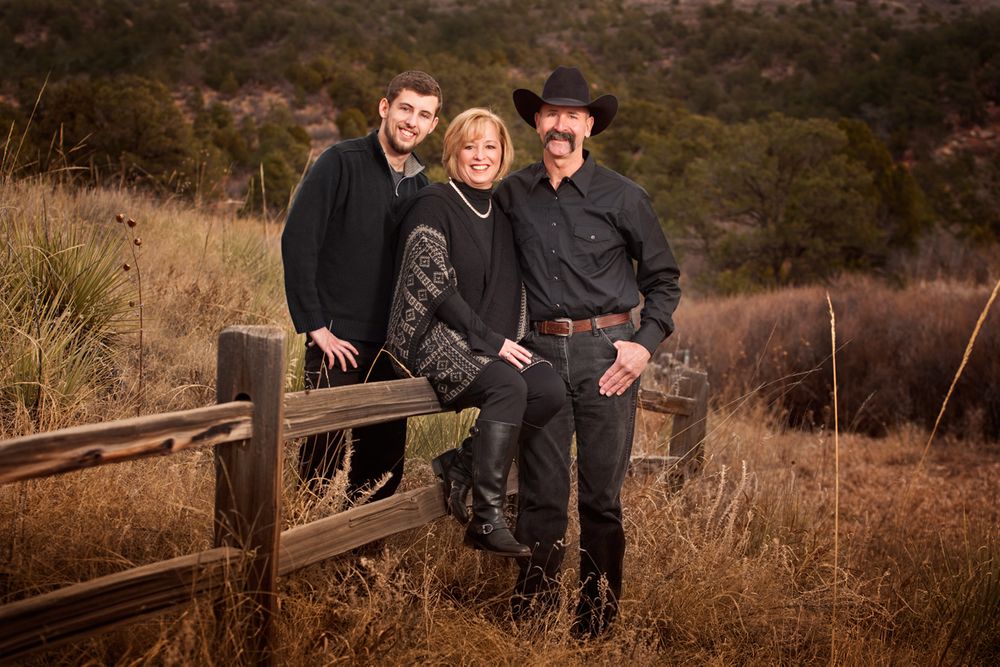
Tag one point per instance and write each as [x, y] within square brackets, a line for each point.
[339, 242]
[486, 307]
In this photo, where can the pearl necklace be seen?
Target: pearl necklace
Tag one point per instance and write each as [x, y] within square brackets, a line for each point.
[489, 209]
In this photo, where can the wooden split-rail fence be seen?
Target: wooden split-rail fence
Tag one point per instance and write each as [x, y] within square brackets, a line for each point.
[253, 419]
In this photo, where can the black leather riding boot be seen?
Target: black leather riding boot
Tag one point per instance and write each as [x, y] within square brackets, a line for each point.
[493, 450]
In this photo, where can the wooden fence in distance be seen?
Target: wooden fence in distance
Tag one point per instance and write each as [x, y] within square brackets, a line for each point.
[247, 429]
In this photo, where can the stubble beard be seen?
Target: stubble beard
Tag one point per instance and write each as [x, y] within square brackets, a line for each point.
[394, 144]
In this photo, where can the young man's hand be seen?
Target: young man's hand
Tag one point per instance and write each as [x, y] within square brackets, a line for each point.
[631, 362]
[334, 349]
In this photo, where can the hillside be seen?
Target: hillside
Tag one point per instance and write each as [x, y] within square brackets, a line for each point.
[889, 109]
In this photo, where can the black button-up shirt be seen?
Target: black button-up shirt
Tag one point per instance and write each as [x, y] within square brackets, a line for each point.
[576, 245]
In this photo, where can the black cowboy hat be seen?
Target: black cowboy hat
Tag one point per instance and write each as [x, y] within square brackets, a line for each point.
[566, 87]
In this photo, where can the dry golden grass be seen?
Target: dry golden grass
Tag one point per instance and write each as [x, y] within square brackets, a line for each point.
[899, 349]
[202, 271]
[734, 568]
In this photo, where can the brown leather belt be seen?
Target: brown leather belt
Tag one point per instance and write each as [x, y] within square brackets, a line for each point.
[564, 326]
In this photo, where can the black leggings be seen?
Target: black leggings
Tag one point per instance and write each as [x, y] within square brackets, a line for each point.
[504, 394]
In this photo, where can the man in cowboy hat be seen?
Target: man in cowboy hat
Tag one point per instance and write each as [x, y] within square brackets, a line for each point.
[579, 227]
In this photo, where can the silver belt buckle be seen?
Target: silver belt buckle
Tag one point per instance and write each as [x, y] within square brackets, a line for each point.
[569, 326]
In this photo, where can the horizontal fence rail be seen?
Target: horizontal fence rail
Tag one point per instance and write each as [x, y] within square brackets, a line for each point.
[246, 436]
[306, 412]
[314, 542]
[322, 410]
[94, 606]
[68, 449]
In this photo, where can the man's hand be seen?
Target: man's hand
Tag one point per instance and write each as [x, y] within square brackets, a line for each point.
[514, 354]
[334, 349]
[631, 362]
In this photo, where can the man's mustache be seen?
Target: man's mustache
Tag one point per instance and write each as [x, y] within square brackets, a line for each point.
[561, 136]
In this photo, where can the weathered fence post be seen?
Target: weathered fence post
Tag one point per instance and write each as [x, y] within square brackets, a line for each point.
[687, 437]
[251, 366]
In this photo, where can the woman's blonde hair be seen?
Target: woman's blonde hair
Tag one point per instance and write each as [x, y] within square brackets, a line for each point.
[471, 124]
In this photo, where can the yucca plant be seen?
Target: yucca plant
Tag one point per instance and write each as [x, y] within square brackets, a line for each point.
[64, 301]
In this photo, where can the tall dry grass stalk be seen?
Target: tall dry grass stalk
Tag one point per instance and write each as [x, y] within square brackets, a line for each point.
[9, 163]
[134, 242]
[961, 367]
[836, 484]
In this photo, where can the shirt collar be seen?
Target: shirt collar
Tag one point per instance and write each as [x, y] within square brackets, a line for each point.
[412, 166]
[580, 179]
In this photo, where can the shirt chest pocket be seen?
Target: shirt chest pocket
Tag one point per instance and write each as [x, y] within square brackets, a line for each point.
[592, 233]
[593, 244]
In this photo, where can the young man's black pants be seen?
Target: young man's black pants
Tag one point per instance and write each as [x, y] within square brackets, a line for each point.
[377, 449]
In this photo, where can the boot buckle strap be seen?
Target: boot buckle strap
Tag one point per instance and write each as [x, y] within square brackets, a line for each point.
[485, 529]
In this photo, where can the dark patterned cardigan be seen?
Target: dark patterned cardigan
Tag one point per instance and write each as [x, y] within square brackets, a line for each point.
[444, 273]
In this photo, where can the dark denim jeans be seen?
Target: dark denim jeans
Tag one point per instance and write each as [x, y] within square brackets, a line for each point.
[604, 426]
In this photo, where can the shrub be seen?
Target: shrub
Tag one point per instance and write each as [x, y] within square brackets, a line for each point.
[778, 203]
[127, 127]
[898, 352]
[281, 152]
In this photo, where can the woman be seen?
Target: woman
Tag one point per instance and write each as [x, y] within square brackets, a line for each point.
[457, 310]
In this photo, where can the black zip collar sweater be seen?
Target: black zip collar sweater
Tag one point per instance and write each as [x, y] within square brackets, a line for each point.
[339, 242]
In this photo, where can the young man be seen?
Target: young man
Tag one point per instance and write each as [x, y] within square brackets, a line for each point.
[338, 251]
[578, 228]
